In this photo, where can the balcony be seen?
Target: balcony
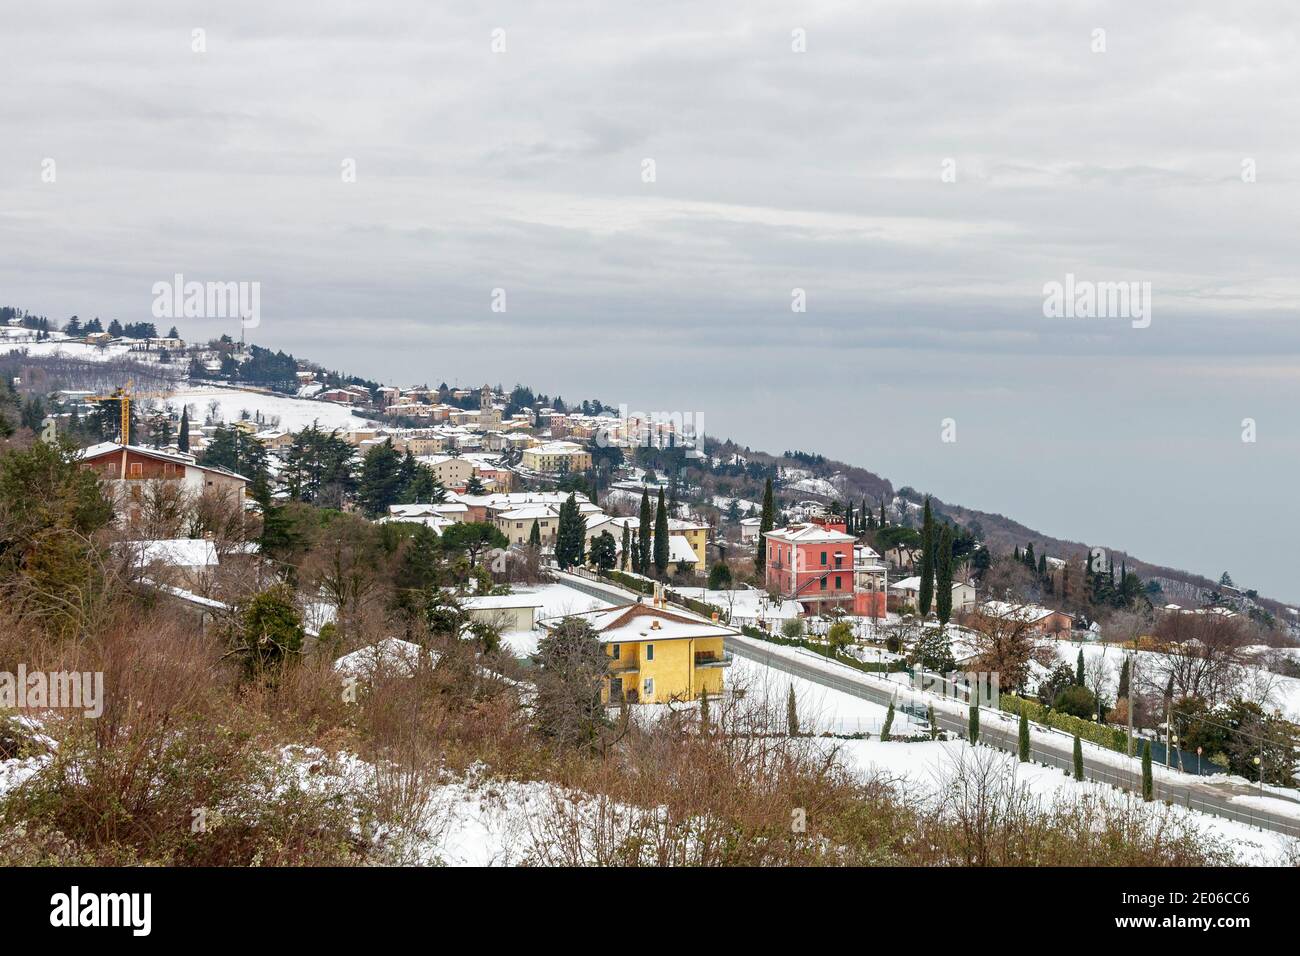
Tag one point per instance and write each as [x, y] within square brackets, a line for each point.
[621, 665]
[713, 659]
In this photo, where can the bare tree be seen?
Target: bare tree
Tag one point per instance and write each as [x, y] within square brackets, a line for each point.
[1006, 643]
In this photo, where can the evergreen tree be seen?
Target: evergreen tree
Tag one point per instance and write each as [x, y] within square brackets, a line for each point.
[570, 534]
[974, 723]
[934, 724]
[1024, 736]
[643, 536]
[381, 479]
[604, 553]
[183, 436]
[474, 486]
[661, 535]
[889, 723]
[943, 586]
[925, 595]
[882, 511]
[1078, 669]
[765, 524]
[626, 556]
[792, 713]
[1148, 785]
[1122, 692]
[535, 536]
[1078, 758]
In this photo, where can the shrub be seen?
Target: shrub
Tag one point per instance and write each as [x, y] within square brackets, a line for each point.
[1076, 701]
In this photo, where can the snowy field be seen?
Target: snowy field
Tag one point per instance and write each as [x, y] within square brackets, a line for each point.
[79, 350]
[279, 411]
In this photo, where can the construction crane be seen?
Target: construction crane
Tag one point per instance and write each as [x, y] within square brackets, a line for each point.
[124, 396]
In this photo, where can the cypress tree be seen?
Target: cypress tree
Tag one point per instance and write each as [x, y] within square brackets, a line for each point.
[1148, 785]
[661, 535]
[183, 437]
[934, 724]
[889, 723]
[765, 521]
[882, 511]
[643, 535]
[1122, 692]
[535, 535]
[1024, 737]
[1078, 669]
[627, 548]
[974, 723]
[943, 593]
[848, 518]
[792, 714]
[1078, 758]
[925, 596]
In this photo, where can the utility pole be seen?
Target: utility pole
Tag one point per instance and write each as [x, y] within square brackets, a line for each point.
[1132, 682]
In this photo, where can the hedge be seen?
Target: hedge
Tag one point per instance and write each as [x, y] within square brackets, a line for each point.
[825, 650]
[1111, 737]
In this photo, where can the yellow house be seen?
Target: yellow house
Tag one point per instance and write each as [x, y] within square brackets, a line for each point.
[657, 654]
[557, 458]
[697, 535]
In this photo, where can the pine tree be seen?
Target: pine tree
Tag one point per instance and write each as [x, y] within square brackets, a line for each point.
[974, 723]
[765, 523]
[1024, 736]
[925, 595]
[1078, 758]
[889, 723]
[792, 713]
[1078, 669]
[183, 436]
[643, 536]
[943, 585]
[381, 480]
[1148, 787]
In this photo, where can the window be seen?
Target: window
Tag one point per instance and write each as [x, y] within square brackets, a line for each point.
[838, 586]
[649, 652]
[648, 687]
[137, 469]
[614, 651]
[822, 583]
[823, 559]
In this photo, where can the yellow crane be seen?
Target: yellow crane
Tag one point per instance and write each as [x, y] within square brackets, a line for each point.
[124, 396]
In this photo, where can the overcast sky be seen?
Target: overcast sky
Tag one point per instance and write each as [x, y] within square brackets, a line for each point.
[774, 169]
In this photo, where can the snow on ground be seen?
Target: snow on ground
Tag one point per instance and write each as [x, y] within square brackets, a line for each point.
[921, 768]
[821, 709]
[1282, 692]
[77, 350]
[558, 600]
[294, 414]
[814, 486]
[901, 683]
[744, 604]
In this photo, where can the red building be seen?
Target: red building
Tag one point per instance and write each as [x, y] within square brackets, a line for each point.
[811, 564]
